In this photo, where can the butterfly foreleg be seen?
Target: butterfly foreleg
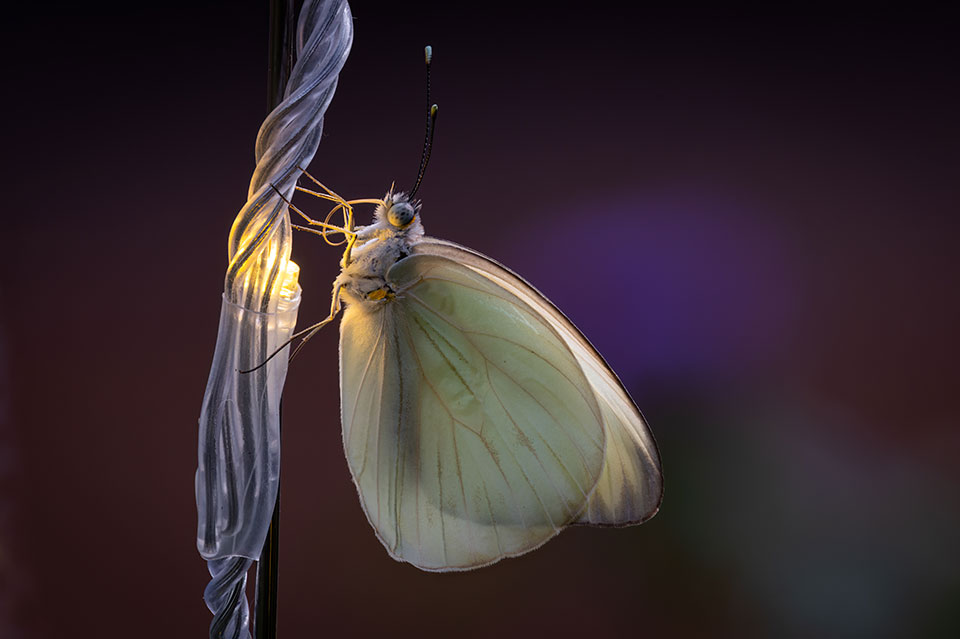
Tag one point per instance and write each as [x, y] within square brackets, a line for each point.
[306, 333]
[310, 331]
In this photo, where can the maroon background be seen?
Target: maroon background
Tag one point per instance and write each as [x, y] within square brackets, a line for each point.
[753, 216]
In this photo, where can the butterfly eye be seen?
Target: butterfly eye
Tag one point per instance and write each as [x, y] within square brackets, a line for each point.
[400, 214]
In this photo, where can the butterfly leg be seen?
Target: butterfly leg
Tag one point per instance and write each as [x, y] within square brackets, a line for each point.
[312, 222]
[308, 332]
[348, 229]
[334, 197]
[331, 196]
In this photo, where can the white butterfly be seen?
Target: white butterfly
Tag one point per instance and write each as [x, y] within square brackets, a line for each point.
[478, 421]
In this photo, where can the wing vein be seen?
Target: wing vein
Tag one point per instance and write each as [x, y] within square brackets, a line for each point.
[535, 456]
[363, 381]
[594, 408]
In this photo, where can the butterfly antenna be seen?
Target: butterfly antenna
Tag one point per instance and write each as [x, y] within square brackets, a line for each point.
[431, 122]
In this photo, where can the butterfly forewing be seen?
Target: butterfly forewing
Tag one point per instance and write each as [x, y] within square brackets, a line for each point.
[631, 485]
[470, 427]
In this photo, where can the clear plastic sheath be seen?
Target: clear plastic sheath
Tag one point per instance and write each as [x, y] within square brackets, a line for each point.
[238, 466]
[239, 462]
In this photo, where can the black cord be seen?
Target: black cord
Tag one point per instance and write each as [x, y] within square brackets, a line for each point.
[282, 42]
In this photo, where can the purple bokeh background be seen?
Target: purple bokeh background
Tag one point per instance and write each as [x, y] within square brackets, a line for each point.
[753, 216]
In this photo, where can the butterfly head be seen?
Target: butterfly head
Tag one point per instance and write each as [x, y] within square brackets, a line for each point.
[398, 210]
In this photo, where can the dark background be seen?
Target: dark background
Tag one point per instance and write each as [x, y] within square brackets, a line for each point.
[752, 215]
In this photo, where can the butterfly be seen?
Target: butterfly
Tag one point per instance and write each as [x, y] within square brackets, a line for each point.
[478, 422]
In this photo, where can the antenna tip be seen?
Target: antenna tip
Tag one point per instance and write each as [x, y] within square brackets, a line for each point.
[433, 111]
[428, 53]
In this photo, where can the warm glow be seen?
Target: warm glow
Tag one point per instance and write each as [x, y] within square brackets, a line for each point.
[289, 286]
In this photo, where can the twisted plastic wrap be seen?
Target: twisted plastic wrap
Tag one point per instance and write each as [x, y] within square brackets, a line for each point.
[238, 467]
[259, 243]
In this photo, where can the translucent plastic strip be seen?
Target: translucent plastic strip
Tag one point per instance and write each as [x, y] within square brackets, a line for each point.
[239, 447]
[239, 455]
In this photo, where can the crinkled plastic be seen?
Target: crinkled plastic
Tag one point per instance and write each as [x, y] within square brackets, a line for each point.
[238, 455]
[239, 463]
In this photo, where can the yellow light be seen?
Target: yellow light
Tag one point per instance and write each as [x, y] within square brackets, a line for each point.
[289, 285]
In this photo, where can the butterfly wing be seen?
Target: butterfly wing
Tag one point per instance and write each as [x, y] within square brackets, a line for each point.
[469, 425]
[631, 485]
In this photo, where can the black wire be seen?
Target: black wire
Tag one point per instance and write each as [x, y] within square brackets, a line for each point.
[282, 43]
